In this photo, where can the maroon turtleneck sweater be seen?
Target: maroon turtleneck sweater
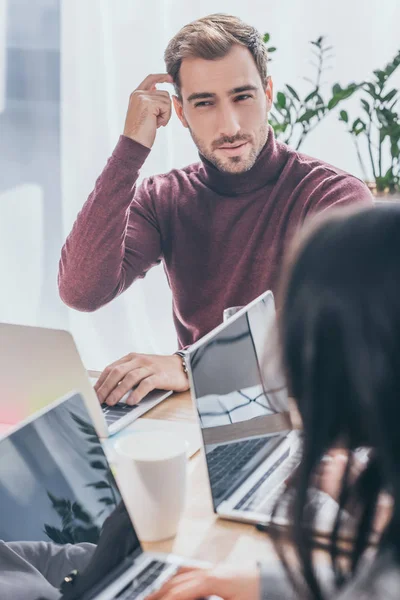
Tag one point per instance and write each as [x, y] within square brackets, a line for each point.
[220, 236]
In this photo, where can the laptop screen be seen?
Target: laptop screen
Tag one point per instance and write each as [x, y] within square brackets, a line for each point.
[237, 390]
[60, 506]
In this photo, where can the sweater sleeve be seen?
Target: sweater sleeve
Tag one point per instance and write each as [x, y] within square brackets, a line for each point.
[54, 561]
[339, 190]
[115, 238]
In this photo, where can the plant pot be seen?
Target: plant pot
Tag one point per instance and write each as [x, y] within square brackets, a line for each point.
[385, 197]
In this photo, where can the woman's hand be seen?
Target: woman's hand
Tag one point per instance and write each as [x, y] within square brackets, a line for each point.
[225, 582]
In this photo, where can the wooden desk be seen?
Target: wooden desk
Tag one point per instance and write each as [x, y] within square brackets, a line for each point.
[201, 535]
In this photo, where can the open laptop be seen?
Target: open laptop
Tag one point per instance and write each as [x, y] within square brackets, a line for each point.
[61, 505]
[242, 405]
[250, 447]
[39, 364]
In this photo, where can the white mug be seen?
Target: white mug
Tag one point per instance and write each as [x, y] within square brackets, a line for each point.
[151, 472]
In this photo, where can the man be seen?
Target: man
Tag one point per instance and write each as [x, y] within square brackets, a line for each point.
[220, 226]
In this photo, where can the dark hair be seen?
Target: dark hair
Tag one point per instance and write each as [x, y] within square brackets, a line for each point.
[340, 336]
[211, 38]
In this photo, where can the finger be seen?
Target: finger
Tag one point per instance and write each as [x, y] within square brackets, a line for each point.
[151, 80]
[179, 587]
[131, 379]
[160, 94]
[187, 569]
[115, 376]
[107, 370]
[191, 590]
[145, 387]
[164, 116]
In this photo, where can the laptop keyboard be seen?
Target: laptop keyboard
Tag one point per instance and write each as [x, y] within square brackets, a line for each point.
[114, 413]
[264, 494]
[225, 462]
[143, 581]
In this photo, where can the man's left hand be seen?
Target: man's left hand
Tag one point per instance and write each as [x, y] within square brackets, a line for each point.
[225, 582]
[141, 373]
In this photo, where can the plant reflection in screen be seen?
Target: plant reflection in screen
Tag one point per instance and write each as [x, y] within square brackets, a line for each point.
[77, 525]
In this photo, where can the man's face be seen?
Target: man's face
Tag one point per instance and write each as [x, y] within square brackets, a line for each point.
[225, 106]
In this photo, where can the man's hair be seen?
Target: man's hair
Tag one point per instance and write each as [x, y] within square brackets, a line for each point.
[211, 38]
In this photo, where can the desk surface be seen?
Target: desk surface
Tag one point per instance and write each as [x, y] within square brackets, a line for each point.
[201, 535]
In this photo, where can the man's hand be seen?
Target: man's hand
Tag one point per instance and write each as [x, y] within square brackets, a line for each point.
[144, 372]
[224, 582]
[148, 110]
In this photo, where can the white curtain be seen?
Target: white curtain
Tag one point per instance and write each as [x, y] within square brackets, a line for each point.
[106, 49]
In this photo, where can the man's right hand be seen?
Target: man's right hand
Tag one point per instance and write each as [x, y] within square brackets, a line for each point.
[149, 109]
[140, 374]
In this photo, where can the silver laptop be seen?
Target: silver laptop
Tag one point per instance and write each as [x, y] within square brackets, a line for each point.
[61, 505]
[39, 364]
[242, 405]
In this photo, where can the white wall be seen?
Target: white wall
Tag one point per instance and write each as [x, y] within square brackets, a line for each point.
[107, 48]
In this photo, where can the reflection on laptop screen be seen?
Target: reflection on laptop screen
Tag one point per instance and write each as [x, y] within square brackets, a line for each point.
[235, 394]
[59, 500]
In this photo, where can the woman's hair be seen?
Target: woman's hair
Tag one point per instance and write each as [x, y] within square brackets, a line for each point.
[340, 337]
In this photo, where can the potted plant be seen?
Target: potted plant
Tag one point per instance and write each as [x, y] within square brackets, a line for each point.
[377, 130]
[294, 116]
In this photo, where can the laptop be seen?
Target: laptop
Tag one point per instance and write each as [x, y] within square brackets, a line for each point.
[61, 504]
[39, 364]
[242, 405]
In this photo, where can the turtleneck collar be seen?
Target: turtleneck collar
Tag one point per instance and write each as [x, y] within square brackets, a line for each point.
[266, 169]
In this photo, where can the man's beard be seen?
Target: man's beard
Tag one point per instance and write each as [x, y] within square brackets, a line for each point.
[233, 164]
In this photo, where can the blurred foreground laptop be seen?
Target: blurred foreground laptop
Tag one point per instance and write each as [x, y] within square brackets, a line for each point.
[242, 404]
[61, 505]
[39, 364]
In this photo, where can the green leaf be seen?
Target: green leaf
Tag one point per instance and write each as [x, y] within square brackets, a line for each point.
[266, 38]
[346, 93]
[389, 173]
[380, 75]
[370, 89]
[305, 117]
[281, 99]
[344, 116]
[334, 102]
[381, 184]
[395, 150]
[382, 118]
[279, 128]
[336, 89]
[311, 96]
[358, 127]
[318, 41]
[389, 96]
[293, 92]
[366, 106]
[271, 49]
